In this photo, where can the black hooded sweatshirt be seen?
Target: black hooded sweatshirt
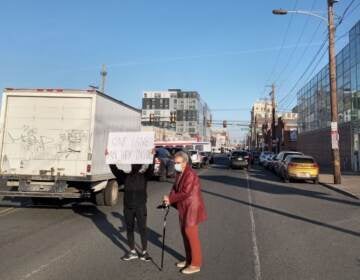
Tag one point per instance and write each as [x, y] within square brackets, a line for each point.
[135, 184]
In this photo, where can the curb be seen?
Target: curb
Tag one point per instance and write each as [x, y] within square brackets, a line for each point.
[332, 187]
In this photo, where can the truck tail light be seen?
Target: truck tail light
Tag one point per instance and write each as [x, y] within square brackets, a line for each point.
[88, 168]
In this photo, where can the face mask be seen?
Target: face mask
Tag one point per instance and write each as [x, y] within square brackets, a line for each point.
[178, 167]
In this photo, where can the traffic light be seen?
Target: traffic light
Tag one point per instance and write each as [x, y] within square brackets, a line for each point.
[224, 124]
[152, 118]
[173, 117]
[208, 123]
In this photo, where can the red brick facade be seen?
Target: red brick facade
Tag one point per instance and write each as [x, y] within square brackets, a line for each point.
[317, 143]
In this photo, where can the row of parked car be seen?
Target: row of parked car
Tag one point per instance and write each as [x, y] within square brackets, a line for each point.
[291, 165]
[164, 161]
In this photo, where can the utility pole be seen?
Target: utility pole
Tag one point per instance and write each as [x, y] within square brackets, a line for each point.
[333, 96]
[103, 74]
[273, 115]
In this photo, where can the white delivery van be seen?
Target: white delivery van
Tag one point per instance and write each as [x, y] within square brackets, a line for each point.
[53, 142]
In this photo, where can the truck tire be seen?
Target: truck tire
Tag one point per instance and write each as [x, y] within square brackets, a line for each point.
[99, 198]
[111, 193]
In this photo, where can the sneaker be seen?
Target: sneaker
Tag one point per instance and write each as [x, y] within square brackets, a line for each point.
[130, 256]
[190, 270]
[181, 264]
[145, 256]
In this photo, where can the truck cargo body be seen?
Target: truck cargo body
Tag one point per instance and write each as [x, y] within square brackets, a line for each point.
[53, 142]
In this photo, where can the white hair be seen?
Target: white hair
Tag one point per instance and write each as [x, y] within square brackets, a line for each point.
[183, 155]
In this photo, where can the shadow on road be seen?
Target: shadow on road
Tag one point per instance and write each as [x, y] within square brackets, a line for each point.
[286, 214]
[102, 222]
[153, 237]
[260, 182]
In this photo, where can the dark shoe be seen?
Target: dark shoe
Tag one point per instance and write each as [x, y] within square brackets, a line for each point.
[145, 256]
[130, 256]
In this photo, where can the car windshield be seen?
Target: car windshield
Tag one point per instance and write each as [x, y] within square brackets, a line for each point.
[290, 154]
[302, 160]
[193, 152]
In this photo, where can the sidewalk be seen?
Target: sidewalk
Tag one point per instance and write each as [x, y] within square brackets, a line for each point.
[350, 183]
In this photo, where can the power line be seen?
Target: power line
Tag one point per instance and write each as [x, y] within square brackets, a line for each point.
[281, 47]
[304, 73]
[297, 44]
[345, 11]
[307, 69]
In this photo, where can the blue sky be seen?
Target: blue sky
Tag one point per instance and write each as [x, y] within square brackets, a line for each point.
[226, 50]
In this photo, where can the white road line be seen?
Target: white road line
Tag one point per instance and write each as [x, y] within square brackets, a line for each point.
[44, 266]
[257, 268]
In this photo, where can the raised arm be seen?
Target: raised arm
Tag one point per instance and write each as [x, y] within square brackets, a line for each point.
[119, 174]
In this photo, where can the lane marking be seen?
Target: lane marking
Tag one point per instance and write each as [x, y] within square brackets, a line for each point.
[257, 268]
[44, 266]
[8, 211]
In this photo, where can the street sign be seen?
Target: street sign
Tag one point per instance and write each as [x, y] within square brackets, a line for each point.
[334, 136]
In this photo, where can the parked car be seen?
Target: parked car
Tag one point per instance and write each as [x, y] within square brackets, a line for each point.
[196, 158]
[263, 156]
[239, 159]
[164, 164]
[300, 168]
[254, 157]
[270, 162]
[280, 159]
[205, 159]
[268, 159]
[174, 150]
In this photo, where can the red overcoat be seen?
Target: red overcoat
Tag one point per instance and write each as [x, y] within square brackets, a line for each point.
[186, 197]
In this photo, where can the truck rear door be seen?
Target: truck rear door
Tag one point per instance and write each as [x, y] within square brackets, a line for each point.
[46, 135]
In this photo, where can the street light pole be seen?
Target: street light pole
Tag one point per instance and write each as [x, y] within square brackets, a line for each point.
[335, 152]
[333, 96]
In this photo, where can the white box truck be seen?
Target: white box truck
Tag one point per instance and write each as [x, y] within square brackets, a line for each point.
[53, 142]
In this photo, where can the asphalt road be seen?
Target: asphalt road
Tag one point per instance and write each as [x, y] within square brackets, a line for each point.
[258, 228]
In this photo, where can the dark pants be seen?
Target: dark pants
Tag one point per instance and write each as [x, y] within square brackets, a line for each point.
[140, 215]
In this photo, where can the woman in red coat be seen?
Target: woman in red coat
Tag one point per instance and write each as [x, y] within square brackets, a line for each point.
[186, 197]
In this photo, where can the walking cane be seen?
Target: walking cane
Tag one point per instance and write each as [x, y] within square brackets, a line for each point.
[167, 207]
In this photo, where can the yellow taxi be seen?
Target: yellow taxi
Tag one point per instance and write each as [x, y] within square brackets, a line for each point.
[298, 167]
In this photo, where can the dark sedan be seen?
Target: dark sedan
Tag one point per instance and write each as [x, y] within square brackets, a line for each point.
[239, 159]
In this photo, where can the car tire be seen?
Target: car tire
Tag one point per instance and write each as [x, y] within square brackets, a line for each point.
[111, 193]
[285, 178]
[316, 181]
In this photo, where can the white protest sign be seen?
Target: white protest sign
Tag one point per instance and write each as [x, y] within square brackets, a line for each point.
[130, 148]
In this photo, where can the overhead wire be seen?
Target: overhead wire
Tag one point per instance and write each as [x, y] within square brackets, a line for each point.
[281, 48]
[296, 46]
[290, 101]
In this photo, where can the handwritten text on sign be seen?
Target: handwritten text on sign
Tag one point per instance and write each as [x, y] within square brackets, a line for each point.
[130, 148]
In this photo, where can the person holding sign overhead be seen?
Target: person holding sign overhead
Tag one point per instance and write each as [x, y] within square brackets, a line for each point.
[135, 210]
[135, 148]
